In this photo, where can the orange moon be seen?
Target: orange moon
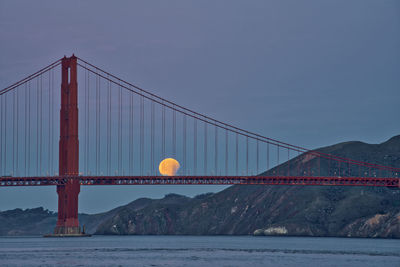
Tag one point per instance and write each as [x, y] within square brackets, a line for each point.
[168, 167]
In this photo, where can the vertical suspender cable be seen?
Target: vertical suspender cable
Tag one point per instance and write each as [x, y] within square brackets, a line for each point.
[216, 151]
[226, 152]
[5, 133]
[247, 155]
[41, 125]
[87, 124]
[3, 127]
[288, 165]
[13, 134]
[129, 136]
[163, 130]
[96, 123]
[49, 127]
[29, 129]
[277, 159]
[141, 135]
[51, 115]
[4, 122]
[4, 98]
[329, 166]
[152, 130]
[258, 157]
[194, 146]
[37, 126]
[205, 148]
[184, 144]
[1, 136]
[298, 166]
[120, 131]
[143, 139]
[85, 120]
[109, 129]
[52, 119]
[17, 134]
[98, 127]
[268, 156]
[237, 154]
[25, 126]
[174, 132]
[132, 136]
[130, 158]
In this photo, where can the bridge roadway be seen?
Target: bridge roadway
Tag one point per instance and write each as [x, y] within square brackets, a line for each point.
[201, 180]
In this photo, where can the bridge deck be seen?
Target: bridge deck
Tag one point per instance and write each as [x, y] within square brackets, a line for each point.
[202, 180]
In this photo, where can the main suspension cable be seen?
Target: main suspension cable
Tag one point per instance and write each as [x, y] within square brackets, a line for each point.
[30, 77]
[230, 127]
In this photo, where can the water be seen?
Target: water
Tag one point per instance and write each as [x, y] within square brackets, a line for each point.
[198, 251]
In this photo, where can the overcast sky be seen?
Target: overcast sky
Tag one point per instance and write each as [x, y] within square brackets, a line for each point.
[310, 73]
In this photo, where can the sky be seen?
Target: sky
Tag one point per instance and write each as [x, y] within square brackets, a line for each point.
[311, 73]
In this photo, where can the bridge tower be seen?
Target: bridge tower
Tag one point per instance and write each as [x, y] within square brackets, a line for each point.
[67, 223]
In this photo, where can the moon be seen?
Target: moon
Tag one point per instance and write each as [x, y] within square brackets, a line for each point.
[168, 167]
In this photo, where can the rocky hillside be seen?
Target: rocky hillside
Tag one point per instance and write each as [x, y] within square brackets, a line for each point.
[39, 221]
[261, 210]
[243, 210]
[291, 210]
[26, 222]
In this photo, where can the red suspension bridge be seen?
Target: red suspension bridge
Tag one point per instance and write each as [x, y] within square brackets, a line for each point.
[125, 131]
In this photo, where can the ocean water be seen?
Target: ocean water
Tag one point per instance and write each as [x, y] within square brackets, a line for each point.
[198, 251]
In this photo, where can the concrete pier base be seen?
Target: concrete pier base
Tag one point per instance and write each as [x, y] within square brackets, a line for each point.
[67, 235]
[62, 231]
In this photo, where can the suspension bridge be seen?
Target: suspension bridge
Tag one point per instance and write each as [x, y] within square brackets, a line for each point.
[125, 131]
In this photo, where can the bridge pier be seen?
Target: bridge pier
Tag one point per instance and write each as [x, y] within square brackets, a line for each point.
[67, 223]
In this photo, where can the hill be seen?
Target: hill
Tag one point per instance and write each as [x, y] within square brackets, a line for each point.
[292, 210]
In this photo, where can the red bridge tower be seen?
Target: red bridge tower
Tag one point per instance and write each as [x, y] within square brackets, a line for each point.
[67, 223]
